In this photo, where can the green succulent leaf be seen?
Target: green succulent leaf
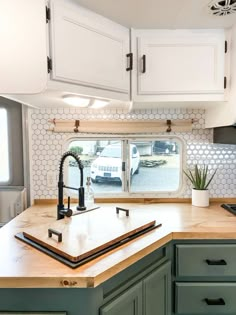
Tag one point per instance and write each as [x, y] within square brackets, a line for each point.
[199, 176]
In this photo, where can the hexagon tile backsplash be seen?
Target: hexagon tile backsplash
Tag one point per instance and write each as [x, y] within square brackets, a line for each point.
[46, 147]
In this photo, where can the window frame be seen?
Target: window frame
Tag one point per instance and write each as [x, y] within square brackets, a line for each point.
[127, 140]
[16, 144]
[9, 181]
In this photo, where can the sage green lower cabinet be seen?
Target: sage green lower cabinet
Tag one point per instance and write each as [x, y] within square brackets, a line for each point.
[157, 291]
[206, 298]
[128, 303]
[204, 281]
[150, 296]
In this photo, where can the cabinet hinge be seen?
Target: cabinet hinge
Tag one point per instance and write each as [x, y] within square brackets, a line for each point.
[226, 46]
[49, 62]
[48, 14]
[225, 82]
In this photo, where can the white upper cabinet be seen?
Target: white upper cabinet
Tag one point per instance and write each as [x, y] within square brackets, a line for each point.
[224, 114]
[88, 49]
[23, 58]
[88, 52]
[178, 65]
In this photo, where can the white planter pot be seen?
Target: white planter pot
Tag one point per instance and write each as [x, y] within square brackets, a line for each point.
[200, 198]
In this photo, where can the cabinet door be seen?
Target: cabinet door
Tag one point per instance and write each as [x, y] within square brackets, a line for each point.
[157, 291]
[128, 303]
[175, 63]
[23, 62]
[88, 49]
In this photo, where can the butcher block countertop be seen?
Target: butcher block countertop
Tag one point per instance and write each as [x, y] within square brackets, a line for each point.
[22, 266]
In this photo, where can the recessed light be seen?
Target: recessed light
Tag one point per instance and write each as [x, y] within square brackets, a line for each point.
[76, 100]
[99, 103]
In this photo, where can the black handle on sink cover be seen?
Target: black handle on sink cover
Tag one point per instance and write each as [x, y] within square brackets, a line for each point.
[219, 262]
[122, 209]
[57, 233]
[219, 301]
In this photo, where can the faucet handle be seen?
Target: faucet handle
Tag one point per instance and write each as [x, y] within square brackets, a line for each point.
[67, 212]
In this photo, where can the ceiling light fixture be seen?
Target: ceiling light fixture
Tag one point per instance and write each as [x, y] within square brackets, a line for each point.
[76, 100]
[99, 103]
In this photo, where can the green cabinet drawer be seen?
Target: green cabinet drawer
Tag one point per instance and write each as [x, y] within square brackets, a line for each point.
[205, 298]
[206, 260]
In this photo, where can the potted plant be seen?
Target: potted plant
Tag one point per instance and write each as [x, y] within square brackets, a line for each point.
[200, 178]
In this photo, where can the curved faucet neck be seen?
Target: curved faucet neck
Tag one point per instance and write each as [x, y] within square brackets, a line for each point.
[75, 156]
[60, 206]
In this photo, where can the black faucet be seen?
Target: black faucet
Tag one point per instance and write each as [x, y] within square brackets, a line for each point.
[61, 210]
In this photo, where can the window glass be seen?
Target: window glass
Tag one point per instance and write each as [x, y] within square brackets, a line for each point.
[102, 161]
[156, 167]
[4, 147]
[149, 165]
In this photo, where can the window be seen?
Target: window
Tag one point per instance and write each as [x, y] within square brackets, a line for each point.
[4, 147]
[126, 166]
[11, 144]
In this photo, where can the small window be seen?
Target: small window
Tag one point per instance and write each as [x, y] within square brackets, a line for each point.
[128, 167]
[4, 148]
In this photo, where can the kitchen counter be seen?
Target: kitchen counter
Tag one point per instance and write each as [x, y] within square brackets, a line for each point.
[22, 266]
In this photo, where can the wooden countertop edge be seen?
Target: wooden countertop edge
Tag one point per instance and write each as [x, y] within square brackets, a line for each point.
[136, 200]
[83, 282]
[92, 282]
[45, 282]
[212, 235]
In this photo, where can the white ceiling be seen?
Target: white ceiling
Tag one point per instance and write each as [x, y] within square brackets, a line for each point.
[168, 14]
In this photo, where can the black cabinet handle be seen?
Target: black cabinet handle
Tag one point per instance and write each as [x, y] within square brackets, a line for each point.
[57, 233]
[220, 262]
[144, 63]
[130, 56]
[219, 301]
[118, 209]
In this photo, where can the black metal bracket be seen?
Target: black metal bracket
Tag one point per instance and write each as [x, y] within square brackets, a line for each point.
[118, 209]
[57, 233]
[77, 123]
[168, 122]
